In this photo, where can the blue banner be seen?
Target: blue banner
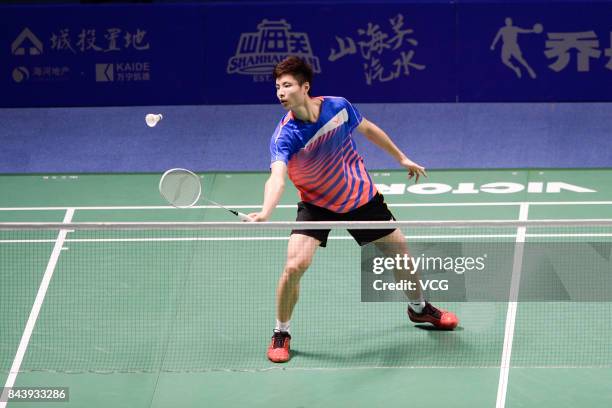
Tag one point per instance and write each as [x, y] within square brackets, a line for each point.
[223, 53]
[535, 52]
[95, 56]
[364, 52]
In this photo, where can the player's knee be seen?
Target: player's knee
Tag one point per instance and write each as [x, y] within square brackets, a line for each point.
[296, 267]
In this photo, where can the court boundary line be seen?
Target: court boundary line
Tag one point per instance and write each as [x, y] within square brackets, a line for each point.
[241, 206]
[36, 307]
[287, 369]
[517, 266]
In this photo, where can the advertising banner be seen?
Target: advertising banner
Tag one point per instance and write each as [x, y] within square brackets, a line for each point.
[377, 52]
[534, 52]
[364, 52]
[97, 56]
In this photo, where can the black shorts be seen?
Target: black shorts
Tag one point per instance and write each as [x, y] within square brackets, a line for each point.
[373, 210]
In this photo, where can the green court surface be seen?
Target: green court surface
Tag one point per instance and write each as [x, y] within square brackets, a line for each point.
[183, 318]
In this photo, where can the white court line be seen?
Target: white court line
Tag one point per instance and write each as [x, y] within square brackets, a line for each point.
[517, 266]
[255, 206]
[25, 241]
[38, 301]
[553, 235]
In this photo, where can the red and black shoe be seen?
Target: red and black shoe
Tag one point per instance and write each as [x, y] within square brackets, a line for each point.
[441, 319]
[278, 351]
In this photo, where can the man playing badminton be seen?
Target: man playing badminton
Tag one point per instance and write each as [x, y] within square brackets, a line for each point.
[313, 144]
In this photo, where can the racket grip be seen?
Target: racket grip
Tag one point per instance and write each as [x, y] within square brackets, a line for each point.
[244, 217]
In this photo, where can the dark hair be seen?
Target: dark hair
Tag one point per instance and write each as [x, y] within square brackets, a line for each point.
[296, 67]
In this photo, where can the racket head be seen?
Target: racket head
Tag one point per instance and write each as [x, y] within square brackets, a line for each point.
[180, 187]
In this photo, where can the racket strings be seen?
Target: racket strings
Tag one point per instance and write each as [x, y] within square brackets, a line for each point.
[180, 189]
[183, 188]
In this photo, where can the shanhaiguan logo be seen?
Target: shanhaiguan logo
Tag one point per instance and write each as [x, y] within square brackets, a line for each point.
[259, 52]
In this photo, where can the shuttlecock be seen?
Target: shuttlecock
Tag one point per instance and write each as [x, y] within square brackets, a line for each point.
[152, 119]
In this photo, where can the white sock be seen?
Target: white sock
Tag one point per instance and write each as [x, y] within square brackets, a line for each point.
[283, 326]
[418, 306]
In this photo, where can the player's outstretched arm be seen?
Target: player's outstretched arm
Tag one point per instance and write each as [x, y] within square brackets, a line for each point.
[378, 136]
[273, 191]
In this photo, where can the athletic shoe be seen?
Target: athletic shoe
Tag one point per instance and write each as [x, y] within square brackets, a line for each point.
[278, 351]
[438, 317]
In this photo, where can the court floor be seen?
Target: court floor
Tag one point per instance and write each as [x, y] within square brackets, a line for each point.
[182, 319]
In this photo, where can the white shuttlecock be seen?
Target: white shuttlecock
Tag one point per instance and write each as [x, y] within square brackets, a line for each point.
[152, 119]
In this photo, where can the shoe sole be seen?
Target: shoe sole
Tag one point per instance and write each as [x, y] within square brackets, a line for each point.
[435, 323]
[279, 360]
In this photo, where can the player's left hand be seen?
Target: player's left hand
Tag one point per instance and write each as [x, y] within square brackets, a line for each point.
[414, 169]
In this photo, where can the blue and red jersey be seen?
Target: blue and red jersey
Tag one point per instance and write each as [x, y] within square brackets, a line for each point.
[322, 158]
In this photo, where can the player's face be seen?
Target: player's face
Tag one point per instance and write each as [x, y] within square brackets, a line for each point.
[289, 92]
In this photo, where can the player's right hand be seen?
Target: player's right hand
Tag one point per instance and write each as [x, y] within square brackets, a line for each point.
[257, 217]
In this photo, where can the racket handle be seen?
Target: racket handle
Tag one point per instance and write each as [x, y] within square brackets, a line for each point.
[244, 217]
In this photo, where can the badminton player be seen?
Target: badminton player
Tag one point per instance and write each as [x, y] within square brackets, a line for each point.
[313, 144]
